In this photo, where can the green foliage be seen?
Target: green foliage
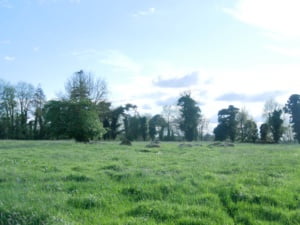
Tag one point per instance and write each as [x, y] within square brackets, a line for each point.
[293, 108]
[264, 130]
[250, 131]
[78, 120]
[227, 127]
[276, 125]
[190, 116]
[157, 124]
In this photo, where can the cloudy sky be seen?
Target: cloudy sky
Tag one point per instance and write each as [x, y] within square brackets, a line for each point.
[240, 52]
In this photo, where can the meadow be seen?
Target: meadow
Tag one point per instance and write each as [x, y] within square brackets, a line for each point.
[63, 182]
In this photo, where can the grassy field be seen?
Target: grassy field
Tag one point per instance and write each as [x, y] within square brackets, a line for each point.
[62, 182]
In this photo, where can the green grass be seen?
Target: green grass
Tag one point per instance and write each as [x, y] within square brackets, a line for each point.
[63, 182]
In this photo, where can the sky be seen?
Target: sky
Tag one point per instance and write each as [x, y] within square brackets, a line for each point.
[239, 52]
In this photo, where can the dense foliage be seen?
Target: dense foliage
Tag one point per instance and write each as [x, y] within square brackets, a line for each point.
[84, 113]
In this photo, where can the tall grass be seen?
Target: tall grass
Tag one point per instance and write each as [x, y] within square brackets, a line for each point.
[63, 182]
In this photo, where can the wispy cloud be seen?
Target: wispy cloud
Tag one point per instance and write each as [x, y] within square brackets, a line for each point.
[6, 4]
[147, 12]
[178, 82]
[117, 60]
[261, 97]
[291, 52]
[120, 61]
[9, 58]
[278, 17]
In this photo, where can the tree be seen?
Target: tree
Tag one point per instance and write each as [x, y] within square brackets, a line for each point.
[39, 100]
[276, 125]
[24, 96]
[242, 118]
[143, 127]
[84, 124]
[227, 127]
[190, 116]
[156, 126]
[270, 106]
[203, 125]
[250, 131]
[82, 86]
[264, 130]
[8, 108]
[293, 108]
[78, 120]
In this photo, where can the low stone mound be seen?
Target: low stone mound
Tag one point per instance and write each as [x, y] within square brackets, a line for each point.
[183, 145]
[221, 144]
[126, 142]
[153, 145]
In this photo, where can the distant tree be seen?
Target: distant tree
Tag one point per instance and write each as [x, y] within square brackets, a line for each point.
[24, 96]
[276, 125]
[242, 117]
[264, 130]
[156, 126]
[227, 127]
[190, 116]
[78, 120]
[203, 126]
[39, 101]
[143, 127]
[250, 131]
[57, 118]
[9, 109]
[221, 132]
[84, 124]
[82, 86]
[269, 107]
[293, 108]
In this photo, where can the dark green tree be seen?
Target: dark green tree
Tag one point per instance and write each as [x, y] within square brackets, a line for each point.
[8, 107]
[143, 127]
[276, 125]
[293, 108]
[227, 127]
[78, 120]
[190, 116]
[221, 132]
[39, 101]
[156, 126]
[84, 124]
[264, 131]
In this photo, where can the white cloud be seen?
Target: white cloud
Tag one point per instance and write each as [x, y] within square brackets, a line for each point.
[119, 61]
[280, 18]
[147, 12]
[291, 52]
[9, 58]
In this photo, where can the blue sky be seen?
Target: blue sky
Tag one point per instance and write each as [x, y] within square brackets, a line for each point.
[239, 52]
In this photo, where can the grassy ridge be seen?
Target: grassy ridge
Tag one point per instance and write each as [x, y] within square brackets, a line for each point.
[63, 182]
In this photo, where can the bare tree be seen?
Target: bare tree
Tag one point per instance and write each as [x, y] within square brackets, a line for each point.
[82, 86]
[203, 126]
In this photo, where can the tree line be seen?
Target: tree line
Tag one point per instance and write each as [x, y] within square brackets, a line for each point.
[84, 113]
